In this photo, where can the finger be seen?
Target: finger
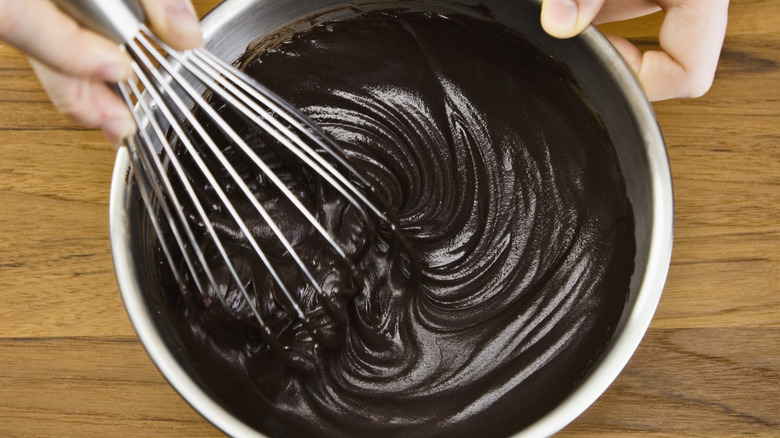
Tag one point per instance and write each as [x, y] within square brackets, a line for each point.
[629, 52]
[567, 18]
[59, 42]
[175, 22]
[89, 102]
[691, 39]
[619, 10]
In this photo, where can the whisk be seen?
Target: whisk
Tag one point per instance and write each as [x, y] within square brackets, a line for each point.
[167, 86]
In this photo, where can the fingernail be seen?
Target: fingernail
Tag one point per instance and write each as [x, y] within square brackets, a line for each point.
[559, 17]
[117, 129]
[113, 72]
[182, 18]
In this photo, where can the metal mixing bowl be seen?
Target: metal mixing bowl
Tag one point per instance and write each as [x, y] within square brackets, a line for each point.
[607, 83]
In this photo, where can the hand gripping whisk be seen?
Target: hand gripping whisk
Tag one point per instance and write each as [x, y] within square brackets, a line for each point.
[172, 98]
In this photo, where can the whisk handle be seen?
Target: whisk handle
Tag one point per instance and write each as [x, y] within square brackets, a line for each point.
[119, 20]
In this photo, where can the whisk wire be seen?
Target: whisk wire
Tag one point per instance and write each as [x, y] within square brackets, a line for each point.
[148, 166]
[203, 105]
[143, 183]
[154, 88]
[170, 109]
[231, 78]
[155, 169]
[169, 154]
[247, 103]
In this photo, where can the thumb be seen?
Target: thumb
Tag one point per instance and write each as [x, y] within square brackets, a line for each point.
[175, 22]
[567, 18]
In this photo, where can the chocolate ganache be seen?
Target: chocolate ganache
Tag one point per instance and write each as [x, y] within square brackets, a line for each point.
[506, 185]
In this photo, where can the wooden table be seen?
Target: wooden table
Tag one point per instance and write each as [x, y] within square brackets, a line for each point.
[70, 363]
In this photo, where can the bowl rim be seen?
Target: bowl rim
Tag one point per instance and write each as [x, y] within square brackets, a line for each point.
[616, 357]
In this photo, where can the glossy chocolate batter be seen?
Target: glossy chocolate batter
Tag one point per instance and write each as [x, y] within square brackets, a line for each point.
[506, 185]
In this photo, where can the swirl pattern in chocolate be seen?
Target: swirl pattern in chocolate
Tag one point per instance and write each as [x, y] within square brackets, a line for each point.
[507, 186]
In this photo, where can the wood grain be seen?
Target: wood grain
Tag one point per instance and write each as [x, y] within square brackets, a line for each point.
[70, 364]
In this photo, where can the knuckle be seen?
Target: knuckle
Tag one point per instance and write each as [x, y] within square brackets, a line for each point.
[70, 99]
[8, 18]
[699, 83]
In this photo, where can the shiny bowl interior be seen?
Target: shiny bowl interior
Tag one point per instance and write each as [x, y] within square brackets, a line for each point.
[607, 83]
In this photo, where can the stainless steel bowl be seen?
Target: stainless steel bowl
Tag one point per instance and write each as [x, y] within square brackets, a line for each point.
[607, 82]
